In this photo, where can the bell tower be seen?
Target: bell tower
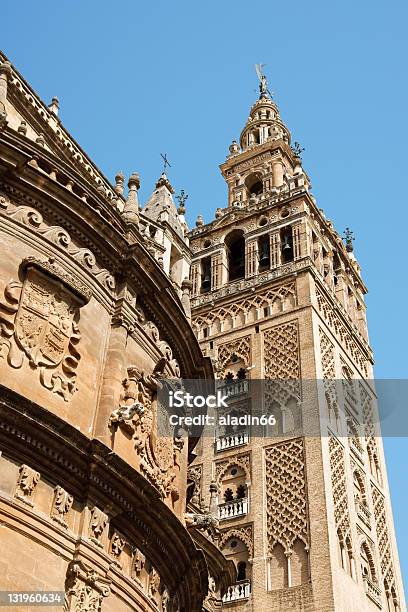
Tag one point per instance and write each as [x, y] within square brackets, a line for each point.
[277, 296]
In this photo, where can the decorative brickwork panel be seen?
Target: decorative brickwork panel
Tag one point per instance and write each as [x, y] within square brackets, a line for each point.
[329, 371]
[281, 363]
[338, 328]
[283, 297]
[239, 349]
[339, 489]
[383, 538]
[286, 505]
[281, 351]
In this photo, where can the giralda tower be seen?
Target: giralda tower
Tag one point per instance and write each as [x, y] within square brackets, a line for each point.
[278, 295]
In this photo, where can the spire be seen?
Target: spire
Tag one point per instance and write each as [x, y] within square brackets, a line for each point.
[264, 123]
[161, 206]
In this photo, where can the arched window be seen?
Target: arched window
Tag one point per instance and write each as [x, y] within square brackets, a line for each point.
[264, 253]
[286, 244]
[366, 563]
[253, 183]
[235, 245]
[241, 571]
[205, 274]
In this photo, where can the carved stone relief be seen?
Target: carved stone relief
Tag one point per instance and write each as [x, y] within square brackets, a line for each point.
[97, 526]
[136, 416]
[61, 505]
[32, 218]
[38, 323]
[27, 481]
[85, 589]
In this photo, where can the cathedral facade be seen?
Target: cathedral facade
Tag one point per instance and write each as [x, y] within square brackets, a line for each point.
[94, 311]
[278, 297]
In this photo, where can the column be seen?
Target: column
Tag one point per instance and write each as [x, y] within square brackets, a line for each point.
[216, 271]
[277, 173]
[275, 249]
[195, 275]
[251, 258]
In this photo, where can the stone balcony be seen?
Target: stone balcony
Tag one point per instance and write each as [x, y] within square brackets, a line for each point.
[231, 441]
[233, 509]
[372, 591]
[239, 590]
[231, 389]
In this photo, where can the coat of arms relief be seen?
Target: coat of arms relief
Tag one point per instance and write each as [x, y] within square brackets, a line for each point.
[137, 418]
[38, 323]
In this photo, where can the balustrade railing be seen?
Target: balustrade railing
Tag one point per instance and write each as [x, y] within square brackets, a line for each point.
[231, 441]
[372, 590]
[232, 509]
[239, 590]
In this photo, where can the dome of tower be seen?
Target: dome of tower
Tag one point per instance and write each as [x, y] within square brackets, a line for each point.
[264, 124]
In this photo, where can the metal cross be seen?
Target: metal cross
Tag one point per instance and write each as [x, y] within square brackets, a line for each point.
[349, 238]
[166, 162]
[182, 197]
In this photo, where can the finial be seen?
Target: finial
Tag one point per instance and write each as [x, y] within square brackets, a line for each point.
[131, 211]
[182, 199]
[234, 148]
[200, 221]
[349, 238]
[120, 183]
[54, 106]
[297, 149]
[263, 83]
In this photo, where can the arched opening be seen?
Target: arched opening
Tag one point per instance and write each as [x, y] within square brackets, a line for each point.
[279, 568]
[366, 563]
[264, 251]
[286, 244]
[235, 245]
[253, 183]
[299, 564]
[205, 274]
[237, 551]
[241, 571]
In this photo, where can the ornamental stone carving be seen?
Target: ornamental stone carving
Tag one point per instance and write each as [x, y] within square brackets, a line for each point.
[61, 505]
[39, 324]
[32, 218]
[195, 475]
[97, 526]
[117, 544]
[136, 416]
[85, 589]
[27, 481]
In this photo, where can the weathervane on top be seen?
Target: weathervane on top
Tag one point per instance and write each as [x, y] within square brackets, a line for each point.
[263, 83]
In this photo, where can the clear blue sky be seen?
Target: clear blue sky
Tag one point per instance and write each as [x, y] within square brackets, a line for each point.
[137, 78]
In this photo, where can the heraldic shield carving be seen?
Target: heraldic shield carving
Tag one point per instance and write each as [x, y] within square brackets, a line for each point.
[38, 322]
